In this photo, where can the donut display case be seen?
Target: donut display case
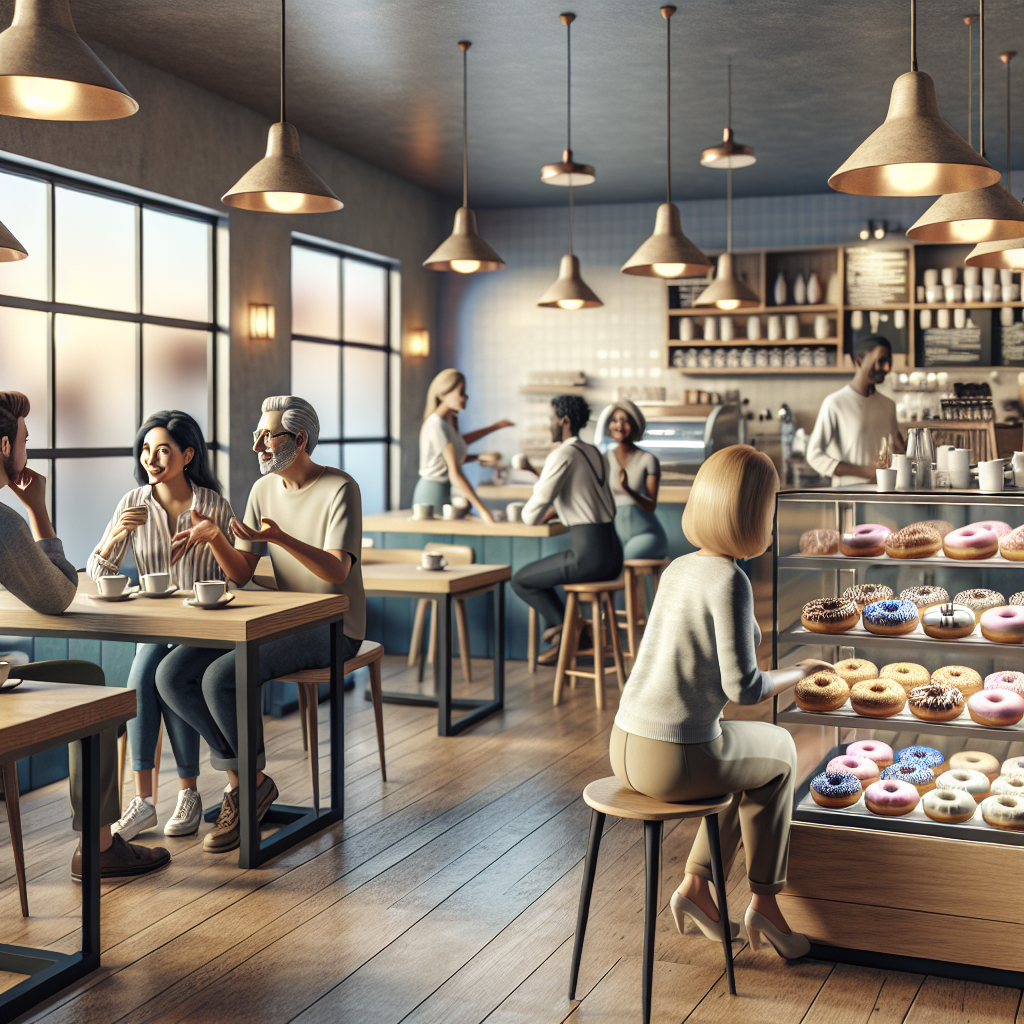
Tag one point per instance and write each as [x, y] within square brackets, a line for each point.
[917, 600]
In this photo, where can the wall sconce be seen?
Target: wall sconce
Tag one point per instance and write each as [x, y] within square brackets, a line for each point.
[877, 229]
[419, 342]
[261, 321]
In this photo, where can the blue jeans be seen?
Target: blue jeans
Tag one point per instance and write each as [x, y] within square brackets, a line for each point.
[641, 533]
[144, 728]
[432, 492]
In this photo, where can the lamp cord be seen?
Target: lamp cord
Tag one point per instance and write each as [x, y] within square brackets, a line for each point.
[465, 129]
[668, 109]
[970, 80]
[570, 219]
[913, 35]
[981, 77]
[282, 60]
[568, 85]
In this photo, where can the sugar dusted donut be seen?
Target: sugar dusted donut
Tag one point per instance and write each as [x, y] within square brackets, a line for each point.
[1011, 545]
[927, 756]
[950, 806]
[891, 797]
[925, 597]
[997, 708]
[966, 779]
[1003, 625]
[977, 760]
[829, 615]
[862, 767]
[864, 594]
[1017, 598]
[855, 670]
[877, 698]
[879, 752]
[1006, 681]
[1008, 785]
[819, 542]
[916, 541]
[941, 525]
[948, 622]
[918, 775]
[965, 679]
[906, 673]
[1012, 766]
[890, 618]
[979, 601]
[864, 541]
[933, 703]
[970, 542]
[835, 789]
[1004, 811]
[823, 691]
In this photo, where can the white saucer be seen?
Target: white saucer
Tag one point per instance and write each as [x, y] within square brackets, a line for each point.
[423, 568]
[125, 594]
[221, 603]
[172, 589]
[10, 684]
[422, 519]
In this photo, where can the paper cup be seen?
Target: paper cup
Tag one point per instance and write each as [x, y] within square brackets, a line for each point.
[886, 479]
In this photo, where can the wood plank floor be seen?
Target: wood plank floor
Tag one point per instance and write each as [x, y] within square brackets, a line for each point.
[448, 895]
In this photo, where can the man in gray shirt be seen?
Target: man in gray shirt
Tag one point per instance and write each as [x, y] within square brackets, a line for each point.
[33, 568]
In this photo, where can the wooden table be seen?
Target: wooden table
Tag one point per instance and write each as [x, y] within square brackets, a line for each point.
[396, 579]
[35, 717]
[402, 521]
[252, 619]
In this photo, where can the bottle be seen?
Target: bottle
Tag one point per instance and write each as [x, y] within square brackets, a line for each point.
[813, 289]
[780, 289]
[799, 290]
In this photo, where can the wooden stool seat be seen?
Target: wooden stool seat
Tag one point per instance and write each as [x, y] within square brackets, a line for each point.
[599, 594]
[648, 563]
[610, 796]
[588, 590]
[634, 577]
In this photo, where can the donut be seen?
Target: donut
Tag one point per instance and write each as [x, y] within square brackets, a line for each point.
[879, 752]
[940, 525]
[917, 774]
[1011, 545]
[835, 789]
[965, 679]
[979, 601]
[862, 767]
[927, 756]
[864, 541]
[948, 621]
[997, 708]
[1004, 625]
[1010, 785]
[1004, 811]
[916, 541]
[966, 779]
[970, 542]
[1012, 766]
[819, 542]
[891, 797]
[864, 594]
[933, 703]
[877, 698]
[823, 691]
[1017, 598]
[925, 597]
[906, 673]
[829, 615]
[950, 806]
[977, 760]
[1006, 681]
[890, 618]
[855, 670]
[997, 526]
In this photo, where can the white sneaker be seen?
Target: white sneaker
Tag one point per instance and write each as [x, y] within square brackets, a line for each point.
[138, 816]
[187, 814]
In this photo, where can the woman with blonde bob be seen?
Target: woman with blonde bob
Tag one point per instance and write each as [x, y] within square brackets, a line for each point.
[698, 652]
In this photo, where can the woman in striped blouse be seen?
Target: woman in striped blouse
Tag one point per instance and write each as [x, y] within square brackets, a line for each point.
[169, 523]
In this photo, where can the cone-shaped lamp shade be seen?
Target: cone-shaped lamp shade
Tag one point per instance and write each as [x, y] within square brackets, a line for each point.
[570, 291]
[48, 73]
[282, 182]
[568, 172]
[915, 152]
[729, 154]
[668, 252]
[11, 250]
[1006, 255]
[984, 215]
[727, 291]
[464, 251]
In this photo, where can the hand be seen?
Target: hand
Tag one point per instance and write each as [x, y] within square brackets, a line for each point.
[127, 523]
[30, 487]
[485, 515]
[812, 665]
[269, 532]
[623, 481]
[501, 424]
[203, 531]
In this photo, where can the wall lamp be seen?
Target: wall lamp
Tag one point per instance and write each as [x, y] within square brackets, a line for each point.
[874, 229]
[419, 342]
[261, 321]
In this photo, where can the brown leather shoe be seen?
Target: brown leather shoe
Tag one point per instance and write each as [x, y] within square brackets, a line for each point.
[121, 859]
[225, 836]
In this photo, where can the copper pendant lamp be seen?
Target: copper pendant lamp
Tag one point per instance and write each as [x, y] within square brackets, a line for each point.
[464, 251]
[668, 252]
[730, 154]
[983, 215]
[11, 250]
[48, 73]
[570, 291]
[282, 182]
[914, 152]
[567, 171]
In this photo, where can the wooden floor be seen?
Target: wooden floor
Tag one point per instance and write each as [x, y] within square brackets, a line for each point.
[448, 895]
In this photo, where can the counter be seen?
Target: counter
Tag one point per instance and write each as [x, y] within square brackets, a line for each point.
[670, 494]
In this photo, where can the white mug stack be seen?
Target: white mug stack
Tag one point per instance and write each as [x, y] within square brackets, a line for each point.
[1018, 469]
[959, 464]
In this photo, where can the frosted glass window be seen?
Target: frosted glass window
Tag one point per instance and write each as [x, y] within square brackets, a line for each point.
[97, 256]
[24, 209]
[174, 372]
[365, 393]
[367, 465]
[87, 492]
[316, 377]
[366, 307]
[23, 366]
[328, 455]
[175, 266]
[95, 382]
[316, 293]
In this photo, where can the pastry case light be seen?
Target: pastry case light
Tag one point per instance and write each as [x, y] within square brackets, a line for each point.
[261, 321]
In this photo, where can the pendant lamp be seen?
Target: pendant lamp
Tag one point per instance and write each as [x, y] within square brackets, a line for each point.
[914, 152]
[464, 251]
[11, 250]
[569, 291]
[282, 182]
[668, 252]
[48, 73]
[730, 153]
[567, 172]
[982, 215]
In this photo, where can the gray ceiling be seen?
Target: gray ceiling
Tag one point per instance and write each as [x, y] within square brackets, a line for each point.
[381, 79]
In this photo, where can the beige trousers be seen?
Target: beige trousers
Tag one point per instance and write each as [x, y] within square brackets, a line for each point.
[110, 797]
[754, 760]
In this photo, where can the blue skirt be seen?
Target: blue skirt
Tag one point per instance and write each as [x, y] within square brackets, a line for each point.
[641, 534]
[432, 492]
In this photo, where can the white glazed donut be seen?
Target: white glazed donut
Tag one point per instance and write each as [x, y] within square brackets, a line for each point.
[1004, 812]
[1008, 785]
[966, 779]
[950, 806]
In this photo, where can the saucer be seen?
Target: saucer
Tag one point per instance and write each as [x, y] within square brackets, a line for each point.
[10, 684]
[422, 519]
[221, 603]
[423, 568]
[125, 594]
[172, 589]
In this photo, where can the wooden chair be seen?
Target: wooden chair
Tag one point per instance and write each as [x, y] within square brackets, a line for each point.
[634, 577]
[600, 597]
[609, 796]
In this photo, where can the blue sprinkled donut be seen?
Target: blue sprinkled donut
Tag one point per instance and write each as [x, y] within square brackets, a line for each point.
[835, 789]
[890, 613]
[927, 756]
[915, 772]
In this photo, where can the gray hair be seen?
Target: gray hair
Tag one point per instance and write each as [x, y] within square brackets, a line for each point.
[297, 414]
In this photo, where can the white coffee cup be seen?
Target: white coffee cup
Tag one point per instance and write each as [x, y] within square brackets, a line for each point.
[447, 512]
[1017, 460]
[156, 582]
[460, 501]
[931, 278]
[960, 460]
[959, 317]
[960, 479]
[514, 511]
[112, 586]
[423, 511]
[519, 461]
[942, 318]
[988, 275]
[925, 318]
[886, 479]
[433, 560]
[948, 276]
[933, 293]
[990, 475]
[210, 591]
[904, 478]
[971, 276]
[942, 457]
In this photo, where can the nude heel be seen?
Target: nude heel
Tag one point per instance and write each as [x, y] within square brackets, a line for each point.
[681, 906]
[791, 945]
[753, 936]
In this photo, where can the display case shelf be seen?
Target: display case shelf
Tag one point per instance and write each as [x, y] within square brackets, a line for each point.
[935, 561]
[858, 636]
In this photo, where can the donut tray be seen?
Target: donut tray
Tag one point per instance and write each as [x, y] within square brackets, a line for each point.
[846, 562]
[858, 636]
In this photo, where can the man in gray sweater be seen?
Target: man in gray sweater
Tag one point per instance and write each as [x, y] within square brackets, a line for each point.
[33, 568]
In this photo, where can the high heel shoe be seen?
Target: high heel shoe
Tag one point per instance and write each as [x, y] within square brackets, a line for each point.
[680, 905]
[791, 946]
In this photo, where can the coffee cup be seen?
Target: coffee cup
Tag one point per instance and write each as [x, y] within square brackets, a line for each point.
[514, 511]
[460, 503]
[447, 512]
[112, 586]
[156, 582]
[210, 591]
[886, 480]
[423, 511]
[1017, 461]
[990, 475]
[959, 460]
[433, 560]
[904, 476]
[519, 461]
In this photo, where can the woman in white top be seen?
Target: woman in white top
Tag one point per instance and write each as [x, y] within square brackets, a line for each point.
[178, 491]
[443, 449]
[634, 475]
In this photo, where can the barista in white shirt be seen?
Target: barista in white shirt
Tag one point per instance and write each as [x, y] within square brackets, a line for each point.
[574, 485]
[853, 421]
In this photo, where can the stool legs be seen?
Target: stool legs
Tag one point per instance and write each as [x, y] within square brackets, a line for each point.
[567, 641]
[613, 630]
[378, 713]
[718, 875]
[586, 891]
[652, 842]
[531, 641]
[598, 651]
[12, 797]
[630, 597]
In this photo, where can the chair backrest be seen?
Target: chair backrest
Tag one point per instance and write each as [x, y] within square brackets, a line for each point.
[86, 673]
[457, 554]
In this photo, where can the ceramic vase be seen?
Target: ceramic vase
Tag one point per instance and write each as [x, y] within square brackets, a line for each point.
[799, 290]
[813, 289]
[780, 294]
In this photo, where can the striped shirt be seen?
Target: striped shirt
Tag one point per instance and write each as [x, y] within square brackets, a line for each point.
[152, 541]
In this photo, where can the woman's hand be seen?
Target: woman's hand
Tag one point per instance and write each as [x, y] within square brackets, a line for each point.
[127, 523]
[485, 514]
[812, 665]
[623, 480]
[203, 531]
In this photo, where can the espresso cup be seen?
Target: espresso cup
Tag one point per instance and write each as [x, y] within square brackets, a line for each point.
[112, 586]
[210, 591]
[514, 511]
[423, 511]
[156, 582]
[433, 560]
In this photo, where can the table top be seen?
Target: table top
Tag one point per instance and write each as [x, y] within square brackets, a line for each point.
[401, 521]
[37, 716]
[403, 577]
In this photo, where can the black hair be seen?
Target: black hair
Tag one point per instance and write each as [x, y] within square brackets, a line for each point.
[575, 408]
[863, 346]
[186, 433]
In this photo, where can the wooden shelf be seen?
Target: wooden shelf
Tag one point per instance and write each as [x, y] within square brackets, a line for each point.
[967, 305]
[755, 311]
[746, 343]
[747, 371]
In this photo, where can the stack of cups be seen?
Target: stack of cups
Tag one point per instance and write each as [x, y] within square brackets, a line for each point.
[959, 463]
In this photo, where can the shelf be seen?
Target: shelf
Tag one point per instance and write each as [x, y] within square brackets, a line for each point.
[1016, 304]
[723, 371]
[747, 343]
[860, 637]
[756, 310]
[935, 561]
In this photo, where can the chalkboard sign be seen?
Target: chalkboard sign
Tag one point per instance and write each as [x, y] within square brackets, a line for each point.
[876, 277]
[686, 293]
[953, 346]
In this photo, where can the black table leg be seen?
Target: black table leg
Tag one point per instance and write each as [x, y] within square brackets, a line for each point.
[586, 891]
[247, 708]
[652, 842]
[443, 664]
[499, 646]
[337, 721]
[718, 876]
[91, 848]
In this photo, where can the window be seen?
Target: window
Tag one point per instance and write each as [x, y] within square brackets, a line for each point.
[345, 361]
[110, 319]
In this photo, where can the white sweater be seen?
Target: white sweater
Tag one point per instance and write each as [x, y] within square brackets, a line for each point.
[850, 429]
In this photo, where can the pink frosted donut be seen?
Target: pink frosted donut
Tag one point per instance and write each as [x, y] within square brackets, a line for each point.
[1011, 545]
[862, 767]
[997, 526]
[969, 542]
[891, 797]
[997, 708]
[864, 541]
[1006, 681]
[1004, 625]
[876, 750]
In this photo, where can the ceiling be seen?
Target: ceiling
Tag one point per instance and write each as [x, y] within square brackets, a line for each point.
[382, 79]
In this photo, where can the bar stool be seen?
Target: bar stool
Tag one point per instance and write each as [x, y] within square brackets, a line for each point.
[600, 596]
[634, 577]
[609, 796]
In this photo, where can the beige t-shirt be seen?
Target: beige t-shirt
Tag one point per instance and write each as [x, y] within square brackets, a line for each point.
[327, 514]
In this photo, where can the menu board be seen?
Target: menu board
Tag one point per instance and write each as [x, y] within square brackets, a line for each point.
[684, 294]
[876, 277]
[952, 346]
